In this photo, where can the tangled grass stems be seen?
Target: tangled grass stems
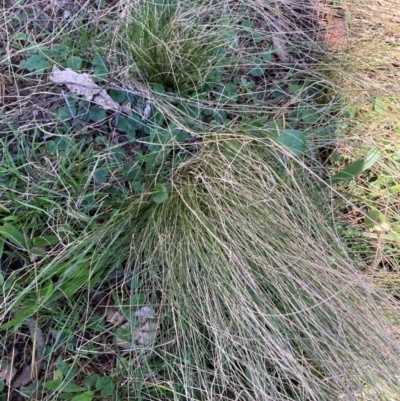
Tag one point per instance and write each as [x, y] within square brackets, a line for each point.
[264, 303]
[254, 292]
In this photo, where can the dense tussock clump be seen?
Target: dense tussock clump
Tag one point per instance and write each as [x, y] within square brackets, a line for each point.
[260, 297]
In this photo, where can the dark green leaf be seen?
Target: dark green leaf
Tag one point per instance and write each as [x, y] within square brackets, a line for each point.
[267, 56]
[220, 116]
[158, 118]
[118, 95]
[258, 37]
[132, 171]
[349, 112]
[232, 38]
[160, 193]
[158, 88]
[117, 154]
[86, 396]
[65, 112]
[98, 60]
[336, 156]
[51, 147]
[258, 68]
[97, 114]
[4, 182]
[1, 385]
[106, 385]
[59, 51]
[42, 51]
[137, 301]
[24, 312]
[100, 73]
[294, 140]
[101, 175]
[20, 36]
[180, 136]
[12, 234]
[66, 396]
[274, 128]
[74, 62]
[35, 63]
[356, 167]
[91, 380]
[129, 124]
[309, 115]
[46, 240]
[100, 67]
[371, 219]
[294, 87]
[137, 186]
[60, 385]
[375, 221]
[156, 157]
[277, 92]
[246, 23]
[124, 333]
[65, 369]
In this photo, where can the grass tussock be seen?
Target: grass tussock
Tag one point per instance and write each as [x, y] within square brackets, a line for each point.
[170, 45]
[261, 299]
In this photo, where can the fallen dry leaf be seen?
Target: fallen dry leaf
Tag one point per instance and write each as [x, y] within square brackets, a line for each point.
[83, 85]
[336, 35]
[146, 312]
[8, 373]
[31, 372]
[144, 333]
[115, 317]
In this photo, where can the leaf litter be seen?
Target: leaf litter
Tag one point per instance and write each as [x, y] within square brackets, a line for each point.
[83, 85]
[142, 334]
[8, 372]
[31, 372]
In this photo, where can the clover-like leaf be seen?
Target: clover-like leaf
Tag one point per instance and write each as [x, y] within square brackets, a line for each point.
[258, 68]
[97, 114]
[60, 51]
[117, 95]
[65, 112]
[35, 63]
[100, 69]
[74, 62]
[294, 140]
[160, 193]
[106, 385]
[101, 175]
